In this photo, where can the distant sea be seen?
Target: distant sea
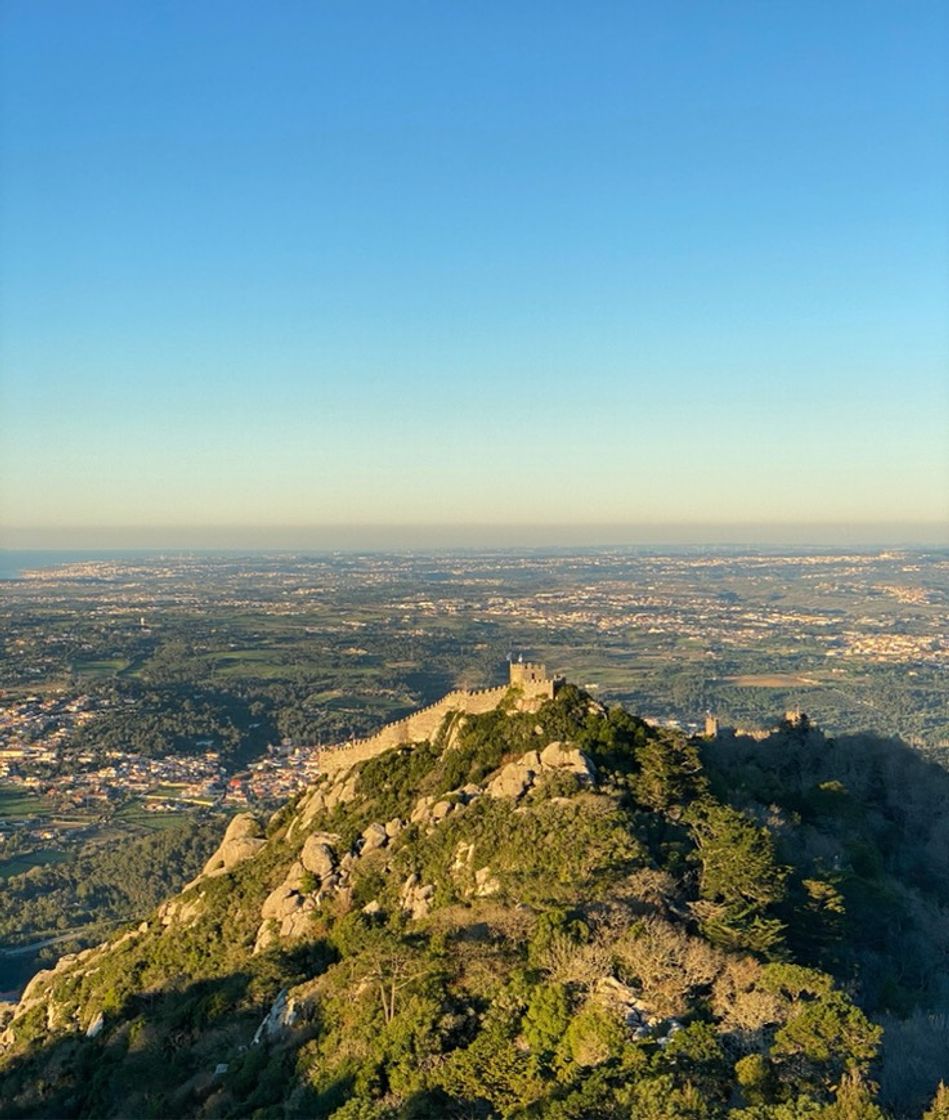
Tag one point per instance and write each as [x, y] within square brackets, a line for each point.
[14, 562]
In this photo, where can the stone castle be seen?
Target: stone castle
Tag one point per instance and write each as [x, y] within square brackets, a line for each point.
[528, 681]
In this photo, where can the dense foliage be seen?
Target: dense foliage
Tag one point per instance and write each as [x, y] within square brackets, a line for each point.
[681, 938]
[105, 883]
[174, 717]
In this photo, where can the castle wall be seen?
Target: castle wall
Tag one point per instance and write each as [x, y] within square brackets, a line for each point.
[530, 678]
[415, 728]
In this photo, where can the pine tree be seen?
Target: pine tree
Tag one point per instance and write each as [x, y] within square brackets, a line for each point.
[939, 1109]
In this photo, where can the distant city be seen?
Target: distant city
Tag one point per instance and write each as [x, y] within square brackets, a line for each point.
[144, 685]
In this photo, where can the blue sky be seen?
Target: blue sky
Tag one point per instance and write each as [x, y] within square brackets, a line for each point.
[322, 263]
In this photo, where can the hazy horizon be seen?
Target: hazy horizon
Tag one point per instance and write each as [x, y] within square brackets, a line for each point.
[409, 537]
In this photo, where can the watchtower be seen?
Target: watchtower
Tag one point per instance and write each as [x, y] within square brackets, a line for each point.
[795, 718]
[531, 678]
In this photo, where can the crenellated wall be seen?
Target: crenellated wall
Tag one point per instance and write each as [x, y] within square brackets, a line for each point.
[414, 728]
[424, 723]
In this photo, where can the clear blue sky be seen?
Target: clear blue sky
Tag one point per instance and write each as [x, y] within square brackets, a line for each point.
[386, 263]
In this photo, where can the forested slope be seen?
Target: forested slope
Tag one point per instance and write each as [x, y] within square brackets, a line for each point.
[560, 914]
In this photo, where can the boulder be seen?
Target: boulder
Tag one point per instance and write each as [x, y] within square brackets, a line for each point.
[454, 733]
[280, 902]
[440, 811]
[180, 911]
[296, 924]
[374, 836]
[313, 803]
[281, 1016]
[464, 855]
[341, 791]
[558, 756]
[318, 856]
[267, 935]
[416, 897]
[513, 780]
[420, 812]
[393, 827]
[242, 826]
[296, 876]
[625, 1001]
[32, 989]
[231, 854]
[485, 883]
[242, 840]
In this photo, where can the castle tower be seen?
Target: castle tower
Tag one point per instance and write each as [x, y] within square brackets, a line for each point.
[794, 717]
[531, 678]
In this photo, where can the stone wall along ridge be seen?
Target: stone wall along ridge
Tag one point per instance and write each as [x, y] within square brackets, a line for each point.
[424, 723]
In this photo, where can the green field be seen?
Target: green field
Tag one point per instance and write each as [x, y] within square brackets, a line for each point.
[40, 858]
[132, 813]
[103, 667]
[17, 804]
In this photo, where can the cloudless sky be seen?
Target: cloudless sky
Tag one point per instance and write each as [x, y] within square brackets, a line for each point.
[391, 263]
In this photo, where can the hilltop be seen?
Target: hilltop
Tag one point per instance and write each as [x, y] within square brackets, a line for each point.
[547, 908]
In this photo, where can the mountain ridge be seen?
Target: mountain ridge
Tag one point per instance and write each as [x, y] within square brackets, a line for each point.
[547, 912]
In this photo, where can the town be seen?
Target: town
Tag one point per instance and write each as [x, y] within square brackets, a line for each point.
[169, 684]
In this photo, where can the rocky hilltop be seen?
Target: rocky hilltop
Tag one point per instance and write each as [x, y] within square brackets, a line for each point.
[544, 909]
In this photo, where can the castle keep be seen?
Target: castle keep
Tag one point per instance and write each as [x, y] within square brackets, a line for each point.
[528, 678]
[531, 678]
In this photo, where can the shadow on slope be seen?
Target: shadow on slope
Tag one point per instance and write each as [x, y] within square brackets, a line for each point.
[183, 1050]
[863, 821]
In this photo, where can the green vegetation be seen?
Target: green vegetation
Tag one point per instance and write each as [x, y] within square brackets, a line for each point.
[39, 857]
[15, 803]
[686, 937]
[102, 884]
[176, 718]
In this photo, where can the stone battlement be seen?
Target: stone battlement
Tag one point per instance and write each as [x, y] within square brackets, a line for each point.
[528, 678]
[531, 677]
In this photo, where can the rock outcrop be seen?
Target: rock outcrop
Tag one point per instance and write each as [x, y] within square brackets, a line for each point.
[516, 778]
[282, 1015]
[416, 897]
[181, 910]
[559, 756]
[318, 855]
[243, 839]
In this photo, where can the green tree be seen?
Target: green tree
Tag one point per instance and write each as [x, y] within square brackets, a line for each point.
[670, 774]
[546, 1019]
[939, 1109]
[853, 1101]
[825, 1037]
[739, 877]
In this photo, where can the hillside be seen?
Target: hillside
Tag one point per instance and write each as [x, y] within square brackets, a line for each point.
[547, 910]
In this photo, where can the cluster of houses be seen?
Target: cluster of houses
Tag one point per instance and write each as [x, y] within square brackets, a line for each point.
[37, 759]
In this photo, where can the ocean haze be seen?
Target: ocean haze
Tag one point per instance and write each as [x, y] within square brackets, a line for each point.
[121, 542]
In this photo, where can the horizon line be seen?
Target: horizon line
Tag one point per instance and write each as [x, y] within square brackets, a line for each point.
[418, 535]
